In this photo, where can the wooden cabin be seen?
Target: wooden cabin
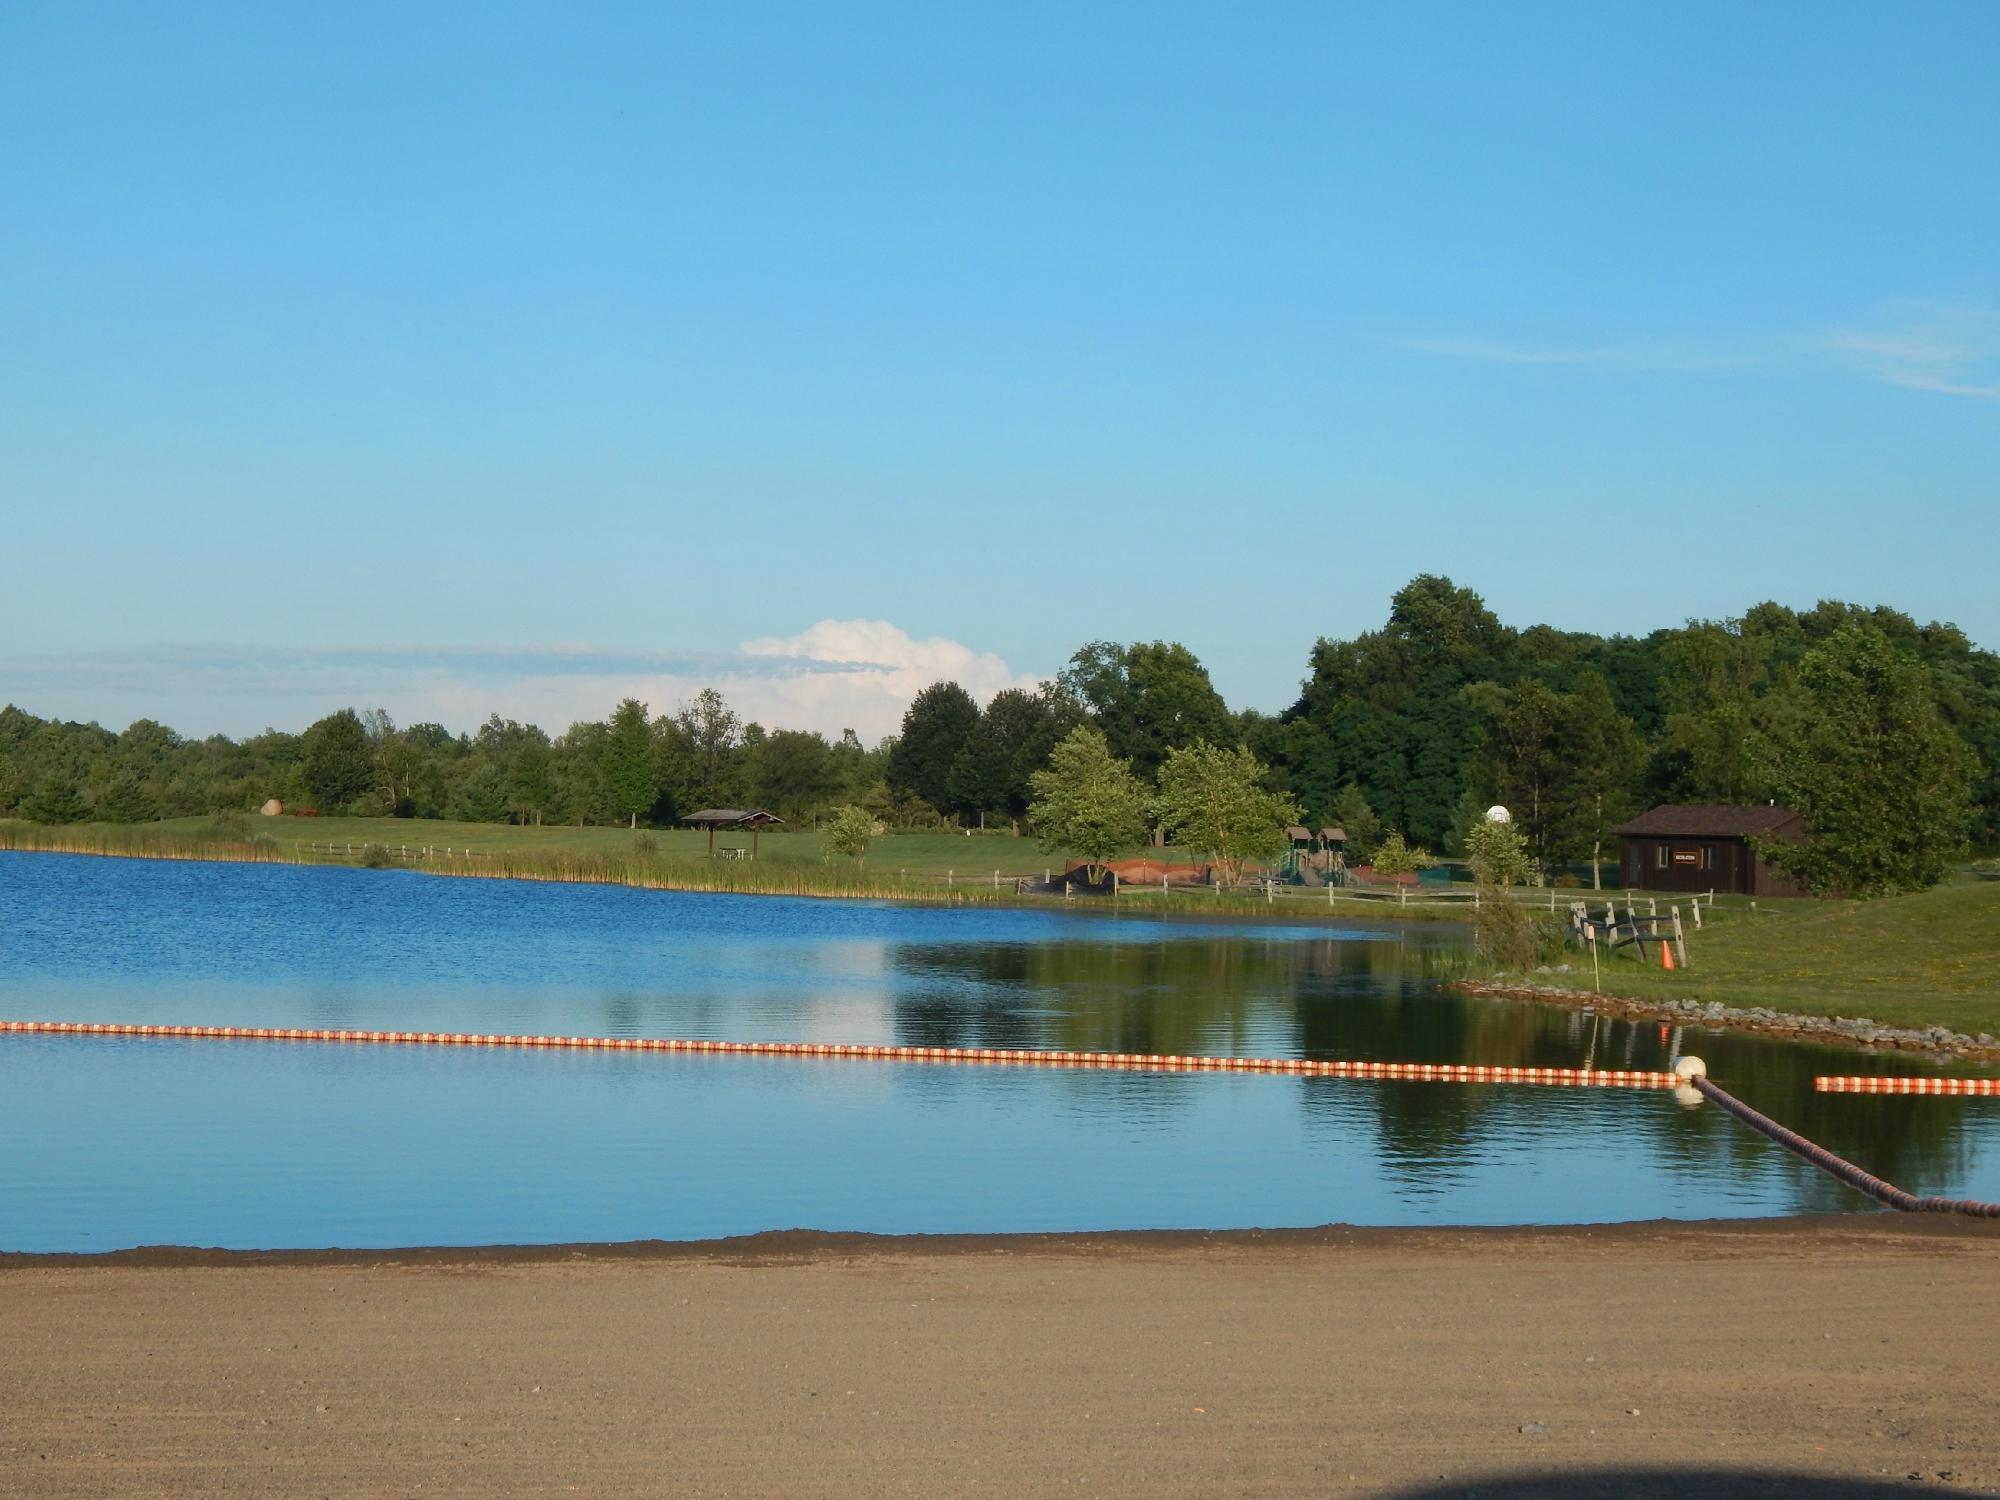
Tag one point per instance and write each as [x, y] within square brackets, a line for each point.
[1703, 847]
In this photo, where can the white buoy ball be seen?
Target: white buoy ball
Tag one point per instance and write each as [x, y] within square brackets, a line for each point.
[1687, 1095]
[1498, 814]
[1690, 1067]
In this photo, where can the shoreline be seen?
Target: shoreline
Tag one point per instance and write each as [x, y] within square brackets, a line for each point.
[789, 1246]
[1935, 1043]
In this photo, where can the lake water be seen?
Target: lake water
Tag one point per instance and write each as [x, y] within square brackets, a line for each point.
[113, 1142]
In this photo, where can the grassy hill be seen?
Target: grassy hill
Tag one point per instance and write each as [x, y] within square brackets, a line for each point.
[1928, 959]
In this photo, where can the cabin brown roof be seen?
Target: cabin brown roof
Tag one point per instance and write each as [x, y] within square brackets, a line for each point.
[1709, 821]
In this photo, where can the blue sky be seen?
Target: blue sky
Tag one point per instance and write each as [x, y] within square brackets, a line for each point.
[525, 354]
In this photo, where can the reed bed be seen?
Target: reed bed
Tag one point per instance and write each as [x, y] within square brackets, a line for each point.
[142, 841]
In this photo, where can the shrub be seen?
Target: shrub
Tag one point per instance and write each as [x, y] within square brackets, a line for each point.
[1395, 857]
[1508, 934]
[848, 832]
[377, 857]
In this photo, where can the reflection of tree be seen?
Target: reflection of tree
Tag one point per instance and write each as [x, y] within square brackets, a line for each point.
[1340, 998]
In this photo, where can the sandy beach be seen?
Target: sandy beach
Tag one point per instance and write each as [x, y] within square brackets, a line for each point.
[1773, 1356]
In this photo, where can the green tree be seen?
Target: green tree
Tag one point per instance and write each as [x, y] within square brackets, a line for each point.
[939, 722]
[1602, 763]
[1883, 783]
[710, 735]
[1213, 801]
[848, 832]
[1393, 856]
[55, 799]
[1355, 818]
[1498, 854]
[126, 799]
[1010, 742]
[1088, 801]
[338, 761]
[530, 776]
[630, 777]
[1147, 698]
[794, 771]
[481, 797]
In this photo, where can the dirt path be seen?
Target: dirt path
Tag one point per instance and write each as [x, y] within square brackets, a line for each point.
[1318, 1363]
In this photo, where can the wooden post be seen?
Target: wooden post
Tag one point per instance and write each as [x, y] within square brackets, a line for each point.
[996, 880]
[948, 875]
[1114, 885]
[1680, 940]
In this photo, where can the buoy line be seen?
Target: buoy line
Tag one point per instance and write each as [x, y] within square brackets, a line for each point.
[1605, 1078]
[1899, 1084]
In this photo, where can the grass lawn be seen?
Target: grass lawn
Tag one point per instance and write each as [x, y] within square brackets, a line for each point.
[1929, 959]
[921, 854]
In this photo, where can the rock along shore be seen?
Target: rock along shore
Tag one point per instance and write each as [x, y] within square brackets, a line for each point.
[1933, 1041]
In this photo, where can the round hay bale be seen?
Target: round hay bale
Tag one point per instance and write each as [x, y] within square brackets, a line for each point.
[272, 809]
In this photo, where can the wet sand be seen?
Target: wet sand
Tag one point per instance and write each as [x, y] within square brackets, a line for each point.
[1323, 1362]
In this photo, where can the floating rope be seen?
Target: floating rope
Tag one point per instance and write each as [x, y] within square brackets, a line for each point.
[1891, 1084]
[1862, 1182]
[1602, 1078]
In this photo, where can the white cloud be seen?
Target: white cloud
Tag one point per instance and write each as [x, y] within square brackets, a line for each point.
[1945, 349]
[835, 675]
[1954, 351]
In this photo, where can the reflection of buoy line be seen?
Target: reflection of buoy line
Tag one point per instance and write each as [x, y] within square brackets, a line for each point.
[1603, 1078]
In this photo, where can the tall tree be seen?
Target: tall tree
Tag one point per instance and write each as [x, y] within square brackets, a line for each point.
[710, 733]
[1603, 757]
[339, 763]
[1884, 784]
[629, 769]
[936, 727]
[1147, 698]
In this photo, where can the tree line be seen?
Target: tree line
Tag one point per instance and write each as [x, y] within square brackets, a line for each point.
[1879, 728]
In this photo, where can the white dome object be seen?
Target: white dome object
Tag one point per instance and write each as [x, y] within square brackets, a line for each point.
[1498, 814]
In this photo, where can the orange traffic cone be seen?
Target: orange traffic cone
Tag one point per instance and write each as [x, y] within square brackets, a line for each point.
[1666, 955]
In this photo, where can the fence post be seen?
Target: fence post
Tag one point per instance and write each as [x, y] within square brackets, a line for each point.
[1680, 940]
[948, 877]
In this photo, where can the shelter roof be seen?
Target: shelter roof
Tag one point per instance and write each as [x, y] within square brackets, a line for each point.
[732, 817]
[1709, 820]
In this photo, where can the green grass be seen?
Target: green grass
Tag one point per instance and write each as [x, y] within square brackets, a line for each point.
[1929, 959]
